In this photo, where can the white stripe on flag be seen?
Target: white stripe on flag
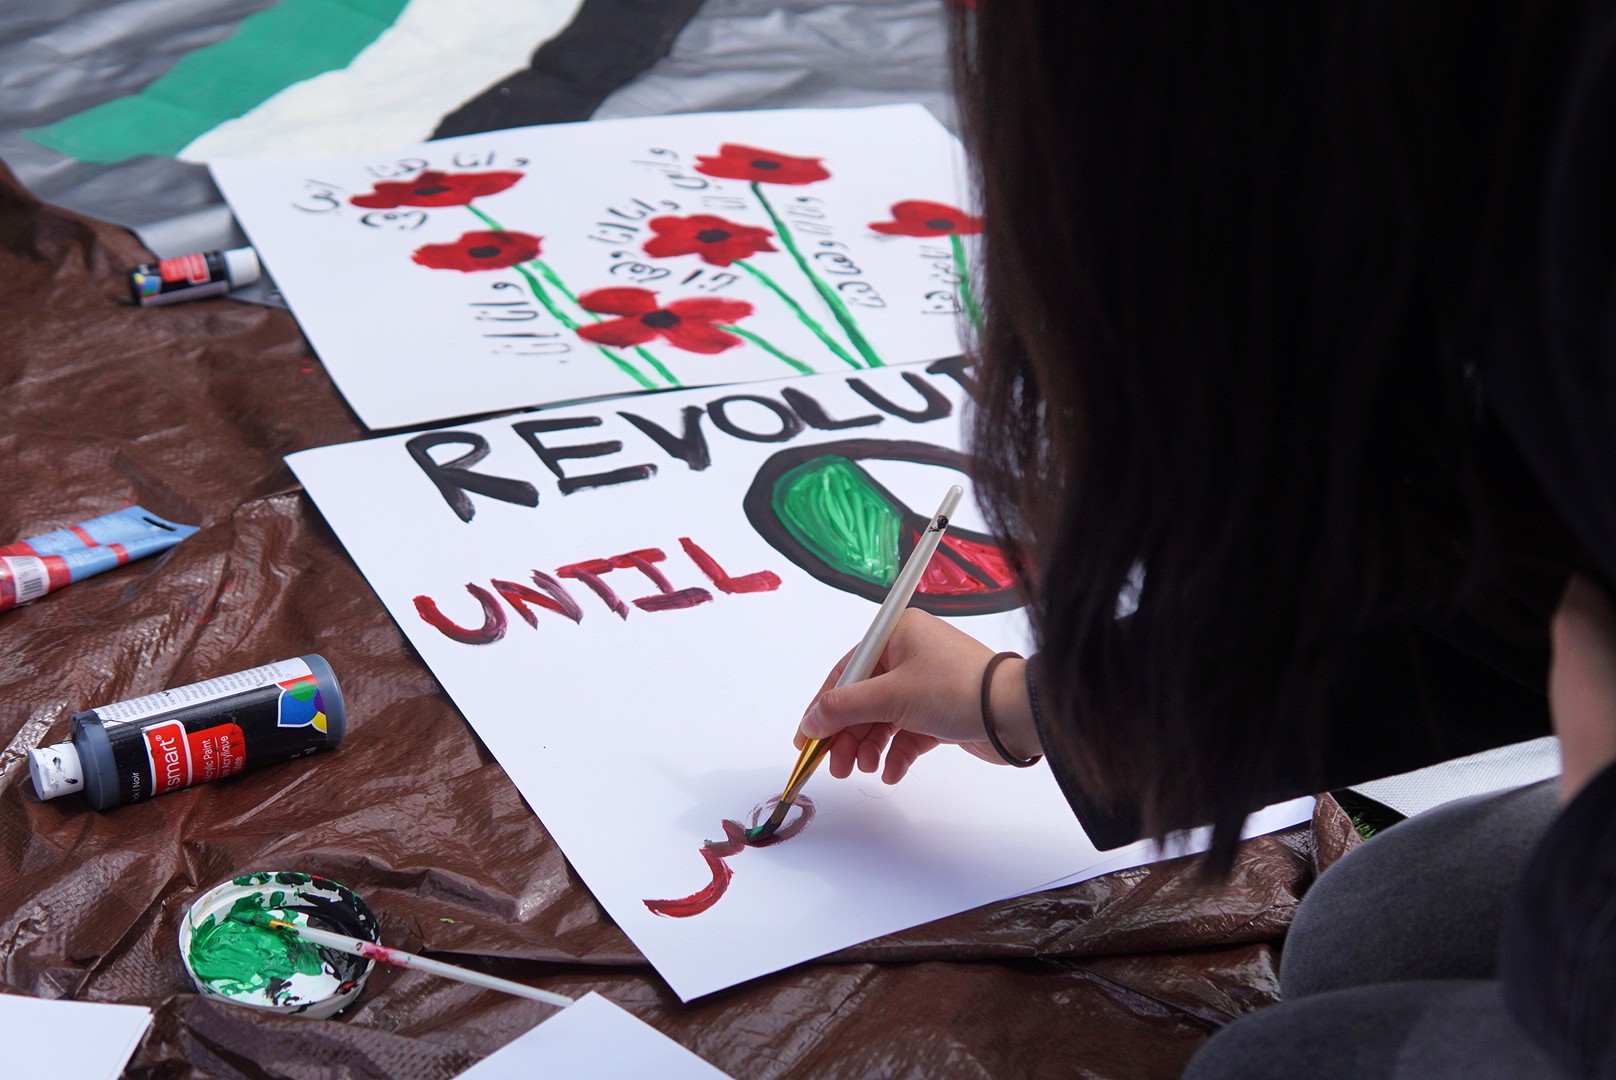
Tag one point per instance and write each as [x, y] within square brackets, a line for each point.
[437, 55]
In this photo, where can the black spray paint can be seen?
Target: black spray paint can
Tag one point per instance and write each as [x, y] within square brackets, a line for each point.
[133, 750]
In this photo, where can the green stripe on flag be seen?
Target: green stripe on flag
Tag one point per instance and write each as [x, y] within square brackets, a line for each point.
[288, 43]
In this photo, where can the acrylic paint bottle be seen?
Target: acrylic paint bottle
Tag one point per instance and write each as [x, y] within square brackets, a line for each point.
[191, 277]
[132, 750]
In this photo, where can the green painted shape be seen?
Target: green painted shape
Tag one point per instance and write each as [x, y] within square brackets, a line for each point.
[270, 50]
[239, 958]
[833, 508]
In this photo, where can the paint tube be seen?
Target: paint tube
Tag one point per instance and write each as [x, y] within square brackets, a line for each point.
[31, 568]
[134, 750]
[191, 277]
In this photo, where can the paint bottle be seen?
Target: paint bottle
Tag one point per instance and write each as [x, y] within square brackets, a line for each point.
[132, 750]
[191, 277]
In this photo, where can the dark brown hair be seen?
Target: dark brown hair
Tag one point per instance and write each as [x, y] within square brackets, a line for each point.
[1233, 254]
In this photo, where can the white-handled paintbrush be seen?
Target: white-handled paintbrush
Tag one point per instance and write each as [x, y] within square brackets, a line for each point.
[369, 950]
[864, 658]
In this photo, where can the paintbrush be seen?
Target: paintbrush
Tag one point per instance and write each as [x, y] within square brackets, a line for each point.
[864, 658]
[369, 950]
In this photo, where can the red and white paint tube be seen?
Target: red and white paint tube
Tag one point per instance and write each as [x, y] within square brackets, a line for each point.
[191, 277]
[31, 568]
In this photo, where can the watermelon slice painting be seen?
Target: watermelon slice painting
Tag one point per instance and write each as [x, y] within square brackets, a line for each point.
[820, 507]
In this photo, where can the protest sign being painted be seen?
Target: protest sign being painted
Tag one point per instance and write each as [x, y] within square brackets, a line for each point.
[632, 602]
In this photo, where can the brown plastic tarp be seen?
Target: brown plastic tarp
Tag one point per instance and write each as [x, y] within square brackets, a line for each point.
[187, 411]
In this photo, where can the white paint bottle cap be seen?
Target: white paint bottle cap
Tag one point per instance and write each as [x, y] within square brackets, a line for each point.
[56, 770]
[241, 265]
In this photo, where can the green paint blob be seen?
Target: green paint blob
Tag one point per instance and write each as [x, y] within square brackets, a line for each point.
[833, 508]
[239, 958]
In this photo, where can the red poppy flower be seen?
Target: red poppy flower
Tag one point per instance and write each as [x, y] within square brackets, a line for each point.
[920, 218]
[480, 251]
[688, 324]
[436, 189]
[736, 162]
[716, 240]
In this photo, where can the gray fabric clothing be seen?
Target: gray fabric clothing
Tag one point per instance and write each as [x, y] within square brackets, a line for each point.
[1425, 1030]
[1388, 968]
[1422, 900]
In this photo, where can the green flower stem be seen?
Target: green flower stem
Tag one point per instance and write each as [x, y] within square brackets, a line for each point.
[807, 320]
[572, 324]
[960, 264]
[656, 364]
[798, 365]
[486, 220]
[837, 307]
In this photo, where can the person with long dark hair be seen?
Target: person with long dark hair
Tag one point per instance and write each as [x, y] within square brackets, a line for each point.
[1297, 413]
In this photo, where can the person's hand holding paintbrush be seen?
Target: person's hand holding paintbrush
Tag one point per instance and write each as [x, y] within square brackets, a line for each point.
[912, 683]
[925, 692]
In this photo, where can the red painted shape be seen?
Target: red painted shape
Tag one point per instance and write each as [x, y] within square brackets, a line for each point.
[554, 598]
[985, 557]
[492, 629]
[715, 852]
[761, 581]
[668, 598]
[964, 566]
[945, 577]
[701, 900]
[583, 572]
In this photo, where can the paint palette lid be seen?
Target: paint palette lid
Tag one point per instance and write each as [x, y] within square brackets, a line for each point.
[230, 957]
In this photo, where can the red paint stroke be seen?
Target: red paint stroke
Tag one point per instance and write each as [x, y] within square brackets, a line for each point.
[492, 629]
[761, 581]
[380, 953]
[715, 852]
[558, 600]
[988, 559]
[667, 598]
[588, 573]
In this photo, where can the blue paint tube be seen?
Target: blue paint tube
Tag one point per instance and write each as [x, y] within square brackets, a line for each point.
[134, 750]
[31, 568]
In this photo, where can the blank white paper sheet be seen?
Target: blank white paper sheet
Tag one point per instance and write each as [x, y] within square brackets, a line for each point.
[593, 1039]
[87, 1040]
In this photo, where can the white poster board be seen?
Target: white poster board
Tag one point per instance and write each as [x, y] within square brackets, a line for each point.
[60, 1037]
[555, 263]
[593, 1039]
[633, 601]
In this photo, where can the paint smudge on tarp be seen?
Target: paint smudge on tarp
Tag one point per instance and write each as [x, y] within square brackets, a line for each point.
[716, 852]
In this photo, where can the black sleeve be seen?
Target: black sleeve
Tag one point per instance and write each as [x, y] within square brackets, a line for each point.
[1412, 693]
[1558, 954]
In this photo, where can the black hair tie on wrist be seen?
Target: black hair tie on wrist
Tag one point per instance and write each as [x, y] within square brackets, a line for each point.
[987, 713]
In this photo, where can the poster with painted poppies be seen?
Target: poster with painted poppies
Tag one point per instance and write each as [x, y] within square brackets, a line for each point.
[571, 261]
[632, 601]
